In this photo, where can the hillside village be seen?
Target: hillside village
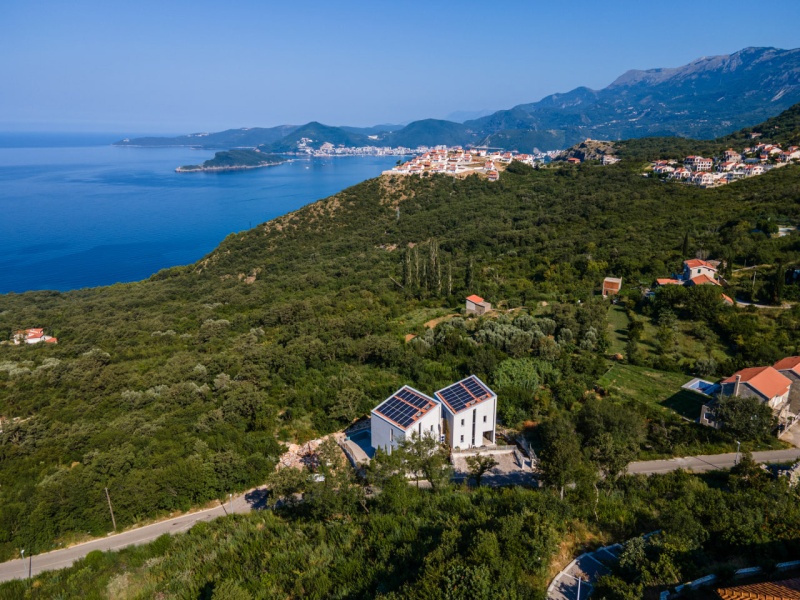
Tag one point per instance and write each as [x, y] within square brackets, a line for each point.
[731, 166]
[458, 162]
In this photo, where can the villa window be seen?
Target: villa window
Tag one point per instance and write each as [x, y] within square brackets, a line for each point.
[462, 438]
[484, 418]
[462, 423]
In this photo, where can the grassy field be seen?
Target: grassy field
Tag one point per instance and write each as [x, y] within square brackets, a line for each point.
[653, 387]
[617, 329]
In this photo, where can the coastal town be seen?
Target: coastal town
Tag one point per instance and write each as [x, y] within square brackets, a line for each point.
[459, 162]
[731, 166]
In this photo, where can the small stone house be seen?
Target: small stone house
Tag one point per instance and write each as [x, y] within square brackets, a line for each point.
[477, 305]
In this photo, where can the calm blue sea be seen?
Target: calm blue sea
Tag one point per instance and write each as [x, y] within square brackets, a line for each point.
[77, 212]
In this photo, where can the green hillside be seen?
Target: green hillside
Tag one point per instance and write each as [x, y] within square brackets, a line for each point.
[180, 389]
[319, 134]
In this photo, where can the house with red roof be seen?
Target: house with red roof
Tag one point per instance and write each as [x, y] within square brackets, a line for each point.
[701, 280]
[789, 367]
[611, 286]
[33, 335]
[477, 305]
[694, 267]
[764, 383]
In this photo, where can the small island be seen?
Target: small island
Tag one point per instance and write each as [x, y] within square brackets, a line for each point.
[232, 160]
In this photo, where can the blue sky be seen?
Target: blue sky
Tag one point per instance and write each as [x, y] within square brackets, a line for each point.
[181, 66]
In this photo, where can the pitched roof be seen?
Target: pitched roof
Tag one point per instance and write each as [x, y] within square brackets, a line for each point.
[765, 380]
[612, 283]
[790, 363]
[702, 280]
[464, 394]
[668, 281]
[788, 589]
[693, 263]
[475, 299]
[405, 407]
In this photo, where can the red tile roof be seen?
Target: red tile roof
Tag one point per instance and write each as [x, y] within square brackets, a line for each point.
[668, 281]
[788, 589]
[693, 263]
[702, 280]
[765, 380]
[612, 283]
[475, 299]
[790, 363]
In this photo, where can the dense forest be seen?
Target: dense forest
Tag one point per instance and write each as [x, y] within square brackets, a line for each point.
[180, 389]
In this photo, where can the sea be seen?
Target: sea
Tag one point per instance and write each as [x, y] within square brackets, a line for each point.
[76, 211]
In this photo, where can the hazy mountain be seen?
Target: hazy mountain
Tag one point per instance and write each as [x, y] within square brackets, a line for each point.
[459, 116]
[248, 137]
[707, 98]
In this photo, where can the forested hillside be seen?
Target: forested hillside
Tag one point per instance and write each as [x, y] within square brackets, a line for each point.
[179, 389]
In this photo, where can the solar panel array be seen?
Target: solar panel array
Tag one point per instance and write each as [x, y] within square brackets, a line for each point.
[465, 391]
[404, 407]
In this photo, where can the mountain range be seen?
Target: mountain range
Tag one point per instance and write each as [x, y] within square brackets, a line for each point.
[707, 98]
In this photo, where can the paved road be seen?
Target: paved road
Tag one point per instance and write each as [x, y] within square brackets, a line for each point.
[700, 464]
[59, 559]
[256, 499]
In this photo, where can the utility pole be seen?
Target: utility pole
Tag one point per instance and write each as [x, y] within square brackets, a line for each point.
[579, 588]
[113, 520]
[231, 502]
[738, 443]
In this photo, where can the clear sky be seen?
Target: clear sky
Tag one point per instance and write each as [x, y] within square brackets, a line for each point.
[186, 66]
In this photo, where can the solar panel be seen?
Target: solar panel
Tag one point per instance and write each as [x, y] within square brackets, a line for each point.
[413, 398]
[476, 388]
[468, 390]
[404, 407]
[456, 396]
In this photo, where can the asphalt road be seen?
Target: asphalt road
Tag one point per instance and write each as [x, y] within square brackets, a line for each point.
[714, 462]
[59, 559]
[256, 499]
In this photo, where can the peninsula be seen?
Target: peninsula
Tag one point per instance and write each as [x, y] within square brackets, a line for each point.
[233, 160]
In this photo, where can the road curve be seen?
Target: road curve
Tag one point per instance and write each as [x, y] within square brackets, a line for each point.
[59, 559]
[712, 462]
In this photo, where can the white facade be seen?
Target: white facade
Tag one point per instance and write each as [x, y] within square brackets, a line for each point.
[480, 419]
[469, 411]
[386, 433]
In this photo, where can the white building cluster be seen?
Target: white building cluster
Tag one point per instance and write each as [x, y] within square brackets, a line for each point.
[328, 149]
[458, 162]
[462, 415]
[731, 166]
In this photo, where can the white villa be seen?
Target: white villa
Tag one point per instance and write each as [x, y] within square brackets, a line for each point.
[402, 414]
[469, 410]
[464, 415]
